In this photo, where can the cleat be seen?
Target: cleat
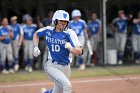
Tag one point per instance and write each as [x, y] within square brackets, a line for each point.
[137, 62]
[82, 67]
[26, 68]
[5, 71]
[16, 67]
[11, 71]
[92, 65]
[30, 69]
[43, 90]
[120, 62]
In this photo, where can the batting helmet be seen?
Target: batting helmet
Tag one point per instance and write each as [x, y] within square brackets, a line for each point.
[60, 15]
[76, 13]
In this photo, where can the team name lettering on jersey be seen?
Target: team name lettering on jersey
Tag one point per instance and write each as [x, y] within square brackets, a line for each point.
[55, 41]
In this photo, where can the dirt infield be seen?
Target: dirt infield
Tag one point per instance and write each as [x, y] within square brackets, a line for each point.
[112, 84]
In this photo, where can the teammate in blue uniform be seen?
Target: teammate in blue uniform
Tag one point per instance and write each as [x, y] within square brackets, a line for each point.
[29, 29]
[16, 40]
[136, 38]
[62, 43]
[119, 25]
[80, 27]
[94, 27]
[48, 20]
[6, 49]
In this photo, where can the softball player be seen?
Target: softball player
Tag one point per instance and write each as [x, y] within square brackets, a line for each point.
[6, 49]
[94, 27]
[62, 43]
[119, 25]
[80, 27]
[16, 40]
[136, 38]
[29, 29]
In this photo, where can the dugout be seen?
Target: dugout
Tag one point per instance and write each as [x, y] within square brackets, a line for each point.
[41, 7]
[9, 8]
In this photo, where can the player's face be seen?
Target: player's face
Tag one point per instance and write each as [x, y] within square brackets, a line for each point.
[29, 22]
[121, 15]
[13, 21]
[50, 15]
[5, 22]
[76, 18]
[94, 17]
[61, 25]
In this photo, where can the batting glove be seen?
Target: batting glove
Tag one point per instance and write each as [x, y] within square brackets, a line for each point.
[68, 46]
[36, 51]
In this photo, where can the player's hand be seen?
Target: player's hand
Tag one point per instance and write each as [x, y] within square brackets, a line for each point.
[36, 51]
[68, 46]
[19, 44]
[115, 28]
[6, 36]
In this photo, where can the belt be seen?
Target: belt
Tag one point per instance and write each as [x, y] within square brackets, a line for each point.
[60, 63]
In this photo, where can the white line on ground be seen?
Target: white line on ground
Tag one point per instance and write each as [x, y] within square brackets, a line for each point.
[74, 81]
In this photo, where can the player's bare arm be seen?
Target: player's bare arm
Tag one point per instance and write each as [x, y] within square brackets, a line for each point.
[11, 34]
[75, 50]
[20, 40]
[135, 21]
[2, 37]
[21, 37]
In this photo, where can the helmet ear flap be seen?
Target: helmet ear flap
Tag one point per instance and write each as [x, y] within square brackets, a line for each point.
[55, 22]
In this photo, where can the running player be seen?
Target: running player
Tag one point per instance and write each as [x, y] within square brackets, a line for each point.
[62, 43]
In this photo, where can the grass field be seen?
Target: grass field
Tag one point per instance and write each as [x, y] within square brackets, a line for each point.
[89, 72]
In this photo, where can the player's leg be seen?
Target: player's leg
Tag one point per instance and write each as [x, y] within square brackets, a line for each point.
[3, 59]
[10, 58]
[138, 48]
[67, 72]
[30, 56]
[92, 41]
[122, 47]
[81, 59]
[59, 78]
[135, 46]
[26, 44]
[117, 40]
[15, 53]
[96, 41]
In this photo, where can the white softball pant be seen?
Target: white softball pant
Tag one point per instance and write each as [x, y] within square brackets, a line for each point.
[15, 48]
[28, 49]
[6, 52]
[120, 40]
[136, 42]
[84, 46]
[60, 76]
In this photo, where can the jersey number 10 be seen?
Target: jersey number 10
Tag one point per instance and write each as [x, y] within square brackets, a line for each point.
[55, 48]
